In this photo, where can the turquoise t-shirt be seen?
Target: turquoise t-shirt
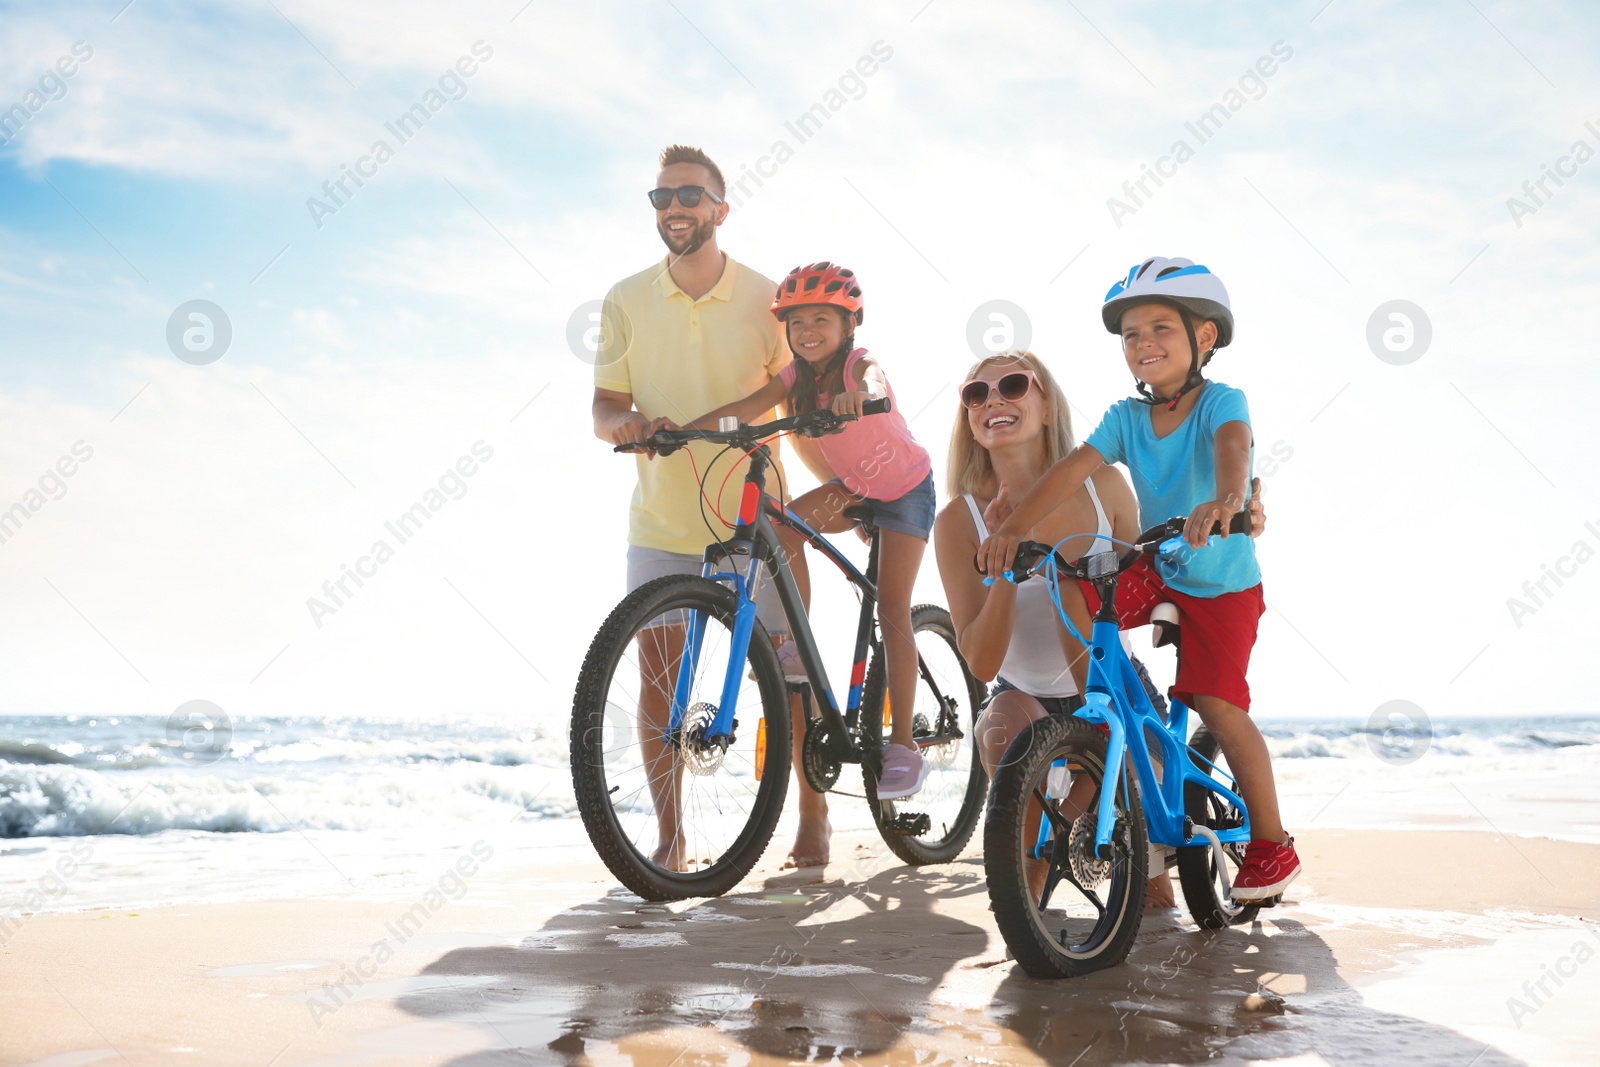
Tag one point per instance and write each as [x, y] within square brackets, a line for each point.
[1175, 474]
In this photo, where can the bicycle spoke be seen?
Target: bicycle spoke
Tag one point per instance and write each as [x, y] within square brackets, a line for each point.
[1058, 822]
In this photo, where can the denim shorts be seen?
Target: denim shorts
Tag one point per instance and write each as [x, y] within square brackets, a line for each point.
[911, 514]
[1070, 704]
[648, 564]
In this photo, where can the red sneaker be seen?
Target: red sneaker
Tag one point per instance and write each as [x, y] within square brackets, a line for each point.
[1268, 868]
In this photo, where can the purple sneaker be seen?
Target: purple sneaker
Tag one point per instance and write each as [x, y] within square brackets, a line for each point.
[904, 771]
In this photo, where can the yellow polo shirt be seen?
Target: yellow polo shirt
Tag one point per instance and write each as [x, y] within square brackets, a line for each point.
[681, 358]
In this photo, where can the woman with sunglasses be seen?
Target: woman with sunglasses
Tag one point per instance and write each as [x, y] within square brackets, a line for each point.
[1013, 424]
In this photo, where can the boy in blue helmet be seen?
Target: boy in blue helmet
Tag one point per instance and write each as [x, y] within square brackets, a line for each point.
[1187, 443]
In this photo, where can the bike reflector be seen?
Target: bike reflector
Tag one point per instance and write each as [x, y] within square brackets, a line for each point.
[1102, 565]
[761, 746]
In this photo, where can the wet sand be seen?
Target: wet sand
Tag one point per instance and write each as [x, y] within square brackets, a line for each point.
[1393, 948]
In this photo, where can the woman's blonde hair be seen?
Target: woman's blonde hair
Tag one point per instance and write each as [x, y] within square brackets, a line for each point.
[969, 469]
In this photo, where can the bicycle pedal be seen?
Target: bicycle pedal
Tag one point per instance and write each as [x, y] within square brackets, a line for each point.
[911, 824]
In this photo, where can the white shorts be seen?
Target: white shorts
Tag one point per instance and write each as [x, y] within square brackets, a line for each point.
[648, 564]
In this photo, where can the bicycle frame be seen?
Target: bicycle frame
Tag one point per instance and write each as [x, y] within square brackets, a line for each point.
[755, 538]
[1115, 696]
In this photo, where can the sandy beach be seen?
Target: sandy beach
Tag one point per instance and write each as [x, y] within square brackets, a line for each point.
[1394, 947]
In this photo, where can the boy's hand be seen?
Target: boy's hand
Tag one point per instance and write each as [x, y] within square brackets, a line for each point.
[850, 403]
[1201, 519]
[996, 554]
[1258, 513]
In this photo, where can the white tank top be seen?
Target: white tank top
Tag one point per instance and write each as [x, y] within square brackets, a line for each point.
[1034, 662]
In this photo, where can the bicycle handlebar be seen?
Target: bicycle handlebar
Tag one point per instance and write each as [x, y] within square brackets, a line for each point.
[1031, 555]
[818, 423]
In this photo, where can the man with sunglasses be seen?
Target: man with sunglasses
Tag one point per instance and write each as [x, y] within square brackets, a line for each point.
[688, 335]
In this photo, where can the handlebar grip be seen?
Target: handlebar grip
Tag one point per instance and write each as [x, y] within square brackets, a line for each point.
[649, 444]
[1239, 524]
[880, 406]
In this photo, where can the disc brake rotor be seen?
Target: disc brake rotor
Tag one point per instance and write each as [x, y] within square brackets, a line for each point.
[1090, 870]
[702, 757]
[941, 755]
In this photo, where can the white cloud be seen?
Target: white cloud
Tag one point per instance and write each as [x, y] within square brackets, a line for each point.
[1415, 503]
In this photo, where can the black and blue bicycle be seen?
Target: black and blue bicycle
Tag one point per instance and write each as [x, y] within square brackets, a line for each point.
[681, 743]
[1083, 797]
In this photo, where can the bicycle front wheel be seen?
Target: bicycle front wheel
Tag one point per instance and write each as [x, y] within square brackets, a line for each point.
[945, 713]
[678, 813]
[1072, 912]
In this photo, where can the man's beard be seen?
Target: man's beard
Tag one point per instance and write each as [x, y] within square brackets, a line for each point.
[697, 239]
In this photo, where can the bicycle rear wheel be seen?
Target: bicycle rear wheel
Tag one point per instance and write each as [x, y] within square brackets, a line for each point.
[1197, 865]
[1089, 910]
[947, 702]
[678, 816]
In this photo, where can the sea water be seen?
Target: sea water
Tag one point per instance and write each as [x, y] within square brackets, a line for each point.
[139, 813]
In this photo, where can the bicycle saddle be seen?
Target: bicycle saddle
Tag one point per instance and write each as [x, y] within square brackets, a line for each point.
[863, 514]
[1164, 617]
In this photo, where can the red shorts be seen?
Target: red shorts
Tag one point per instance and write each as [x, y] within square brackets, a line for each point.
[1216, 633]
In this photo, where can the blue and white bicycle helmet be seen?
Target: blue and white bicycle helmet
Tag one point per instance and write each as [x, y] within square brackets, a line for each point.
[1185, 285]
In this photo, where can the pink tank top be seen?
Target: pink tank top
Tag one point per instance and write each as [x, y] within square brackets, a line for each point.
[875, 457]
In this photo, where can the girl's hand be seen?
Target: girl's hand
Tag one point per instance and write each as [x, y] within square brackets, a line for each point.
[850, 403]
[1258, 513]
[998, 511]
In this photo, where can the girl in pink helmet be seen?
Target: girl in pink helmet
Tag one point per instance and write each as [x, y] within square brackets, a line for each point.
[874, 460]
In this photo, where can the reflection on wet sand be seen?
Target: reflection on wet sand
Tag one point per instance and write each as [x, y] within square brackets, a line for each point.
[887, 970]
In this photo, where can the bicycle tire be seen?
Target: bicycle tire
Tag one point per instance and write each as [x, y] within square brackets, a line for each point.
[1197, 864]
[592, 703]
[948, 786]
[1008, 830]
[967, 788]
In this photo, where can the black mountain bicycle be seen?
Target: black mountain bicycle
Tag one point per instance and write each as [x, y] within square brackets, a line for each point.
[681, 741]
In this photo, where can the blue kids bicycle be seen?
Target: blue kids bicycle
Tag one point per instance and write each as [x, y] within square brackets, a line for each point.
[1080, 798]
[681, 741]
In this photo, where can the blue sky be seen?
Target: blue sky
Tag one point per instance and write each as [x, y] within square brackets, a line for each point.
[975, 163]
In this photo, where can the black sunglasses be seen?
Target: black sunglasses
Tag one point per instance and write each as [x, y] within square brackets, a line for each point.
[688, 196]
[1013, 386]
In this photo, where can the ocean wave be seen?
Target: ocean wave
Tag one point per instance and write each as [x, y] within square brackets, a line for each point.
[1486, 739]
[132, 775]
[137, 743]
[31, 752]
[54, 800]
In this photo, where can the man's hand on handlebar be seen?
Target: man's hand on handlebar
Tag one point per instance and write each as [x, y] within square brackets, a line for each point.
[635, 428]
[664, 436]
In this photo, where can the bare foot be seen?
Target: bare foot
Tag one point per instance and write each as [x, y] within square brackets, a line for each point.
[669, 857]
[1158, 893]
[810, 845]
[1035, 871]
